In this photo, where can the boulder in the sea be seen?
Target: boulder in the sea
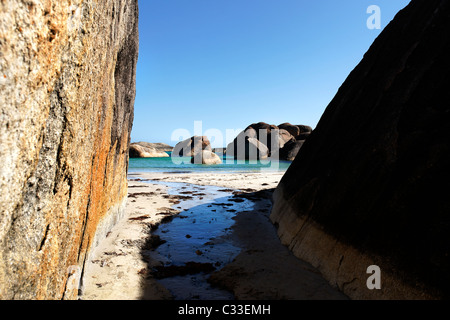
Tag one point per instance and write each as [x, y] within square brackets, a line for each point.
[260, 129]
[299, 132]
[292, 129]
[206, 157]
[246, 148]
[138, 151]
[159, 147]
[191, 146]
[304, 129]
[261, 136]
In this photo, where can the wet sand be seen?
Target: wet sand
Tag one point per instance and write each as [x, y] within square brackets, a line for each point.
[136, 261]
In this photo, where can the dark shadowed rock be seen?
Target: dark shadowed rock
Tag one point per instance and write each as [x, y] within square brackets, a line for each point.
[293, 130]
[304, 129]
[303, 136]
[299, 132]
[378, 192]
[289, 151]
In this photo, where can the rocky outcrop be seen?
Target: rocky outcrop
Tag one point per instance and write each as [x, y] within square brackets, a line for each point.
[370, 186]
[262, 140]
[136, 150]
[159, 147]
[199, 149]
[67, 88]
[191, 146]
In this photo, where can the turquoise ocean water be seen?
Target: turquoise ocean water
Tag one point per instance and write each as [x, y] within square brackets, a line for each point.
[183, 165]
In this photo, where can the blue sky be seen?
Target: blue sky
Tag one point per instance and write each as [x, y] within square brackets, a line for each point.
[230, 63]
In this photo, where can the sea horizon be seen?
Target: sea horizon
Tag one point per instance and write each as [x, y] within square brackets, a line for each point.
[184, 165]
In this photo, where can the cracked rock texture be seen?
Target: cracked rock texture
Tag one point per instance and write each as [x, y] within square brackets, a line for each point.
[67, 88]
[378, 192]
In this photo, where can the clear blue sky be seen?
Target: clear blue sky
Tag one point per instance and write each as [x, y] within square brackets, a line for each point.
[230, 63]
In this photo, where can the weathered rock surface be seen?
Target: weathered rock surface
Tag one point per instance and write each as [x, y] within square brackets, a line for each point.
[305, 129]
[67, 88]
[293, 130]
[261, 128]
[138, 151]
[377, 192]
[297, 131]
[191, 146]
[159, 147]
[206, 157]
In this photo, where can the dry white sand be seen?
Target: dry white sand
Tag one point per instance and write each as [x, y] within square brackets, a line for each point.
[264, 270]
[118, 269]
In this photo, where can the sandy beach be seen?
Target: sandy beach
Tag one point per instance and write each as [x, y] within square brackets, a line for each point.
[128, 266]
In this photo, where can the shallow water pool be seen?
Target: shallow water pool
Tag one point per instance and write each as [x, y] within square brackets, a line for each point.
[195, 240]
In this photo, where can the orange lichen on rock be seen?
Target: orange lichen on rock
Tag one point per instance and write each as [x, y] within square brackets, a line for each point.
[67, 94]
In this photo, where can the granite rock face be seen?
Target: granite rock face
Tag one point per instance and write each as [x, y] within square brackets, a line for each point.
[67, 89]
[371, 185]
[159, 147]
[137, 150]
